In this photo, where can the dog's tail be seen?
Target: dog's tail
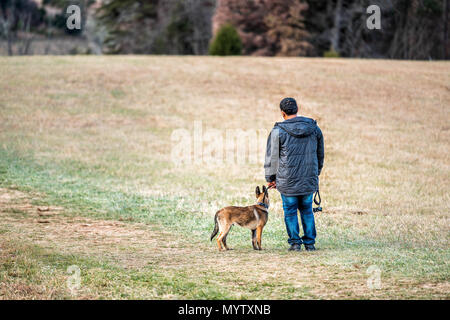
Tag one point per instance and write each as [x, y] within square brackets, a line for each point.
[216, 226]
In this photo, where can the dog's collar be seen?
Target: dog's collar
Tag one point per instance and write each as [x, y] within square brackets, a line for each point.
[262, 204]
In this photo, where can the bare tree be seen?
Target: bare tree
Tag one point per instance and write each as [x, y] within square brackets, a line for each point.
[6, 22]
[16, 20]
[335, 35]
[25, 43]
[445, 34]
[200, 14]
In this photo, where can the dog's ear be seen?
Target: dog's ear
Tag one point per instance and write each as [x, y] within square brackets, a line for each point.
[257, 191]
[264, 189]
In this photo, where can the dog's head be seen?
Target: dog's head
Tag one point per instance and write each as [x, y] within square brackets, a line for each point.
[263, 196]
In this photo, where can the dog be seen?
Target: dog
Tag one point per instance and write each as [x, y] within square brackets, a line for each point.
[252, 217]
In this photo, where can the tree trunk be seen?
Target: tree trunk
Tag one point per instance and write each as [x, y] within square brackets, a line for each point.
[10, 52]
[29, 37]
[337, 26]
[445, 35]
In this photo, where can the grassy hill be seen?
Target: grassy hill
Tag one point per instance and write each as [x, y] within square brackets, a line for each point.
[87, 178]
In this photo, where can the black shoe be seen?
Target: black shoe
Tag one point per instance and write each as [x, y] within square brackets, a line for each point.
[295, 247]
[310, 247]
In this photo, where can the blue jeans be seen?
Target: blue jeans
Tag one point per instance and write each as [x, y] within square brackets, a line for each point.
[290, 207]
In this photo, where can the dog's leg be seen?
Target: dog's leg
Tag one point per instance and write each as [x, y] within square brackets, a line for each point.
[258, 237]
[219, 242]
[222, 246]
[254, 239]
[222, 228]
[223, 239]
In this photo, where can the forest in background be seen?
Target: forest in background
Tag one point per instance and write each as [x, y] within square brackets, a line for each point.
[416, 29]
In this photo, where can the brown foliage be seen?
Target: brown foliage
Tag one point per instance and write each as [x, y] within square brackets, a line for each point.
[267, 27]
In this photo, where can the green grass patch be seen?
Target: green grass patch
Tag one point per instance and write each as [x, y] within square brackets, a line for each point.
[87, 192]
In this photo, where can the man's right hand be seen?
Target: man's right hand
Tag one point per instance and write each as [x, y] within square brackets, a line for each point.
[272, 184]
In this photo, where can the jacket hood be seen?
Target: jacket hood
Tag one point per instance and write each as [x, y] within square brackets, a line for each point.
[298, 127]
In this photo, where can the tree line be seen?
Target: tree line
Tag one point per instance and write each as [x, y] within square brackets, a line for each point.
[410, 29]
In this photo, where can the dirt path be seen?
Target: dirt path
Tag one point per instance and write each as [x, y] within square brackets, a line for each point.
[134, 246]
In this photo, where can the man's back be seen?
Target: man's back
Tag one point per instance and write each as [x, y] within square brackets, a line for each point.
[300, 157]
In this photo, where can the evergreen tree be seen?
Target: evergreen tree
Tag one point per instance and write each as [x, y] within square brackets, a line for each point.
[227, 42]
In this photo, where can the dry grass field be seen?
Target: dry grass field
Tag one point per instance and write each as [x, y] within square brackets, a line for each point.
[87, 178]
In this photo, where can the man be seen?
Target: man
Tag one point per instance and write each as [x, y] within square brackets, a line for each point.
[294, 160]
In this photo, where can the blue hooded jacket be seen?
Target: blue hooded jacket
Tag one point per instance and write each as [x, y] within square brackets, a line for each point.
[294, 156]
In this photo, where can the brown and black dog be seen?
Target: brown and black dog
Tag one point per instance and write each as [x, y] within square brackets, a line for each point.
[252, 217]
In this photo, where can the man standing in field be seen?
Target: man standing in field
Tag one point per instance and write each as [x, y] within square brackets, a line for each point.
[294, 160]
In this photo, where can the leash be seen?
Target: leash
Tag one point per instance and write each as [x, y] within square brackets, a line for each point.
[319, 208]
[317, 201]
[262, 204]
